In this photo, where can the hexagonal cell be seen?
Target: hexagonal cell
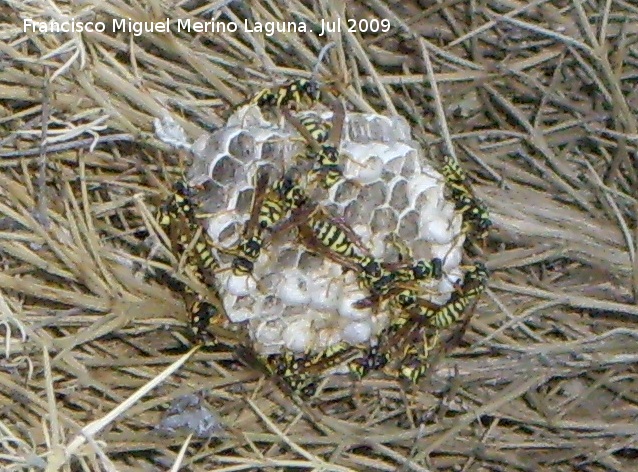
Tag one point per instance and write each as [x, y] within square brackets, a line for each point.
[378, 127]
[270, 281]
[309, 262]
[345, 191]
[410, 165]
[213, 197]
[288, 257]
[245, 302]
[224, 170]
[384, 220]
[392, 253]
[229, 233]
[399, 195]
[269, 332]
[427, 201]
[244, 200]
[363, 169]
[293, 291]
[272, 150]
[409, 225]
[357, 131]
[422, 249]
[242, 147]
[392, 168]
[372, 196]
[271, 306]
[353, 213]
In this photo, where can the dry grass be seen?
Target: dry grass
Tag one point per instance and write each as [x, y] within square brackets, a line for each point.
[538, 99]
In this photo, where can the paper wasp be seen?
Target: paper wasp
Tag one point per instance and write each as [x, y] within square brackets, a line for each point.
[475, 214]
[190, 243]
[326, 235]
[270, 204]
[328, 170]
[415, 358]
[295, 92]
[412, 337]
[415, 333]
[394, 278]
[301, 373]
[318, 129]
[474, 283]
[252, 240]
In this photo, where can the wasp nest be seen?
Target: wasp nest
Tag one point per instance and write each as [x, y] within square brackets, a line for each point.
[300, 300]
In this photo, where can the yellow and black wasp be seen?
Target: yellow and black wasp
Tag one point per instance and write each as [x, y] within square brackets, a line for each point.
[295, 93]
[409, 270]
[415, 334]
[475, 214]
[328, 169]
[330, 236]
[321, 232]
[410, 339]
[318, 128]
[473, 285]
[342, 246]
[269, 206]
[417, 354]
[178, 218]
[252, 240]
[397, 280]
[302, 372]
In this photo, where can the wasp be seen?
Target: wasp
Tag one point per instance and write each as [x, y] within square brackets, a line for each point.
[420, 270]
[344, 248]
[269, 206]
[294, 93]
[362, 359]
[404, 347]
[321, 232]
[412, 337]
[324, 233]
[328, 170]
[386, 279]
[475, 214]
[289, 368]
[317, 128]
[359, 359]
[179, 220]
[414, 361]
[389, 280]
[302, 373]
[473, 285]
[252, 240]
[416, 332]
[425, 338]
